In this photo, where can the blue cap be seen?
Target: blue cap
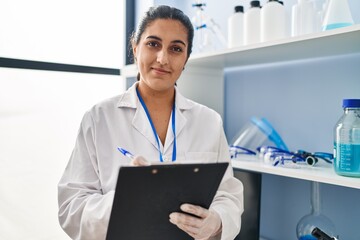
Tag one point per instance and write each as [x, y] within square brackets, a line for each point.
[349, 103]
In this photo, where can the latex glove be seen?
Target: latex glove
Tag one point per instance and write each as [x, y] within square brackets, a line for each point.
[139, 161]
[206, 225]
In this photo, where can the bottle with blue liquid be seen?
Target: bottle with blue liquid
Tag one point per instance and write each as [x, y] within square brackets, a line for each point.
[315, 219]
[337, 15]
[347, 140]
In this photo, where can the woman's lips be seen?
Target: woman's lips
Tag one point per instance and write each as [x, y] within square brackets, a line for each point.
[160, 70]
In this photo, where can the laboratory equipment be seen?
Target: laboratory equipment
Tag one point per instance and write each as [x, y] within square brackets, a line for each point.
[207, 31]
[347, 140]
[254, 134]
[320, 235]
[273, 21]
[337, 15]
[252, 23]
[280, 157]
[304, 18]
[315, 219]
[236, 28]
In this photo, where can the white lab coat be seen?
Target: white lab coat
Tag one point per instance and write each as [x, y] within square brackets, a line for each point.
[86, 189]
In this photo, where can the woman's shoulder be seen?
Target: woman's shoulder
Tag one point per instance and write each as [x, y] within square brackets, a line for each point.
[106, 104]
[200, 110]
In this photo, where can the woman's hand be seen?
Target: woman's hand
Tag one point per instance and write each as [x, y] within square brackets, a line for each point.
[205, 225]
[139, 161]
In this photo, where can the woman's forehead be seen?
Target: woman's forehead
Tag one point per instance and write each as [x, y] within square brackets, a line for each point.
[166, 28]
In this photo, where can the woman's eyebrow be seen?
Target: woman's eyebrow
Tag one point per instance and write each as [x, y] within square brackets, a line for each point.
[159, 39]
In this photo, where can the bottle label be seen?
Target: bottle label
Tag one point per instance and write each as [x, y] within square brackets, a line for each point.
[347, 158]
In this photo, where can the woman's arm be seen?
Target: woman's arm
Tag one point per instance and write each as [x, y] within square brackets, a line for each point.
[84, 210]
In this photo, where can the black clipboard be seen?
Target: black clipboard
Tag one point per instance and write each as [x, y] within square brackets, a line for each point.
[146, 195]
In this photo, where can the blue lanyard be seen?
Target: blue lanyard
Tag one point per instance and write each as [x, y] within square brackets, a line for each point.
[154, 130]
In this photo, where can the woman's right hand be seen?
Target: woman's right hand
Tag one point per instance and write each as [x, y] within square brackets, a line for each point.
[139, 161]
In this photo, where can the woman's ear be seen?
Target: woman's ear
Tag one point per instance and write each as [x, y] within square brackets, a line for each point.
[134, 48]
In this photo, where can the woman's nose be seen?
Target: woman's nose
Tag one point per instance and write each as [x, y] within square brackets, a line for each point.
[162, 57]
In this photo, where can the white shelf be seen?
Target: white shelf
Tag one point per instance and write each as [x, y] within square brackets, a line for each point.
[335, 42]
[323, 173]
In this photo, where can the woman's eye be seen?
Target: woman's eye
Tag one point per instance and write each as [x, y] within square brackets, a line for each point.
[177, 49]
[152, 44]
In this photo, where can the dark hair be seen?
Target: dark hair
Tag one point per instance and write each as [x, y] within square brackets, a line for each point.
[163, 12]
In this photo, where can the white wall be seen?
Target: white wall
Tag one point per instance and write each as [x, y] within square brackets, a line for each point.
[40, 112]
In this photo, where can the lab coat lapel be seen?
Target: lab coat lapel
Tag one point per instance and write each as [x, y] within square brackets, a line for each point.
[140, 121]
[180, 122]
[181, 104]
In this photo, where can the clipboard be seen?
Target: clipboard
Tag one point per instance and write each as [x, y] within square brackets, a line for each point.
[146, 195]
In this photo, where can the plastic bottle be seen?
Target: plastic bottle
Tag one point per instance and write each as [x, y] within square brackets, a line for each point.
[252, 23]
[337, 15]
[273, 21]
[304, 18]
[347, 140]
[236, 28]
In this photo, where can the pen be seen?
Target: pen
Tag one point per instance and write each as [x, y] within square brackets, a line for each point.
[126, 153]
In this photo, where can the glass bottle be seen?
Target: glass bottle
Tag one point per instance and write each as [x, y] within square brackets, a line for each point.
[315, 218]
[347, 140]
[337, 15]
[203, 37]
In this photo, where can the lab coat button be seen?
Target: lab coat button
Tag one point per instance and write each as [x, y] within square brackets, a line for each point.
[166, 159]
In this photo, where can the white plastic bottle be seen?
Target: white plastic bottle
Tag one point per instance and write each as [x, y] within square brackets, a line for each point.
[303, 18]
[236, 28]
[252, 23]
[273, 21]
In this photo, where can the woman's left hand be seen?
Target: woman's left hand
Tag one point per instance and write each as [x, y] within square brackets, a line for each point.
[205, 225]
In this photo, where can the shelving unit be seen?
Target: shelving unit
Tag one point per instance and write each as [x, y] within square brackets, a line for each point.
[208, 68]
[318, 45]
[323, 174]
[332, 43]
[335, 42]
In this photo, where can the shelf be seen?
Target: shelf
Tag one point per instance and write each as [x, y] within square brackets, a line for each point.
[330, 43]
[323, 174]
[335, 42]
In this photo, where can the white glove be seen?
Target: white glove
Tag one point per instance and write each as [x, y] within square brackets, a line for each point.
[139, 161]
[206, 225]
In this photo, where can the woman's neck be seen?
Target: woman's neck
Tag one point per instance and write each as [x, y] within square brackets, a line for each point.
[157, 99]
[159, 105]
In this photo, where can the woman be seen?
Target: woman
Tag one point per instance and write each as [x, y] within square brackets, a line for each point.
[150, 119]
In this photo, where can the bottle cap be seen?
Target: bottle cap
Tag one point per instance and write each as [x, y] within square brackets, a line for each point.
[239, 9]
[348, 103]
[255, 4]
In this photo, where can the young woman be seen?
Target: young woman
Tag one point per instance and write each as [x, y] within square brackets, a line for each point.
[151, 119]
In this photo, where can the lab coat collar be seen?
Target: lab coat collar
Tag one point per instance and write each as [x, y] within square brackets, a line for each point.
[129, 99]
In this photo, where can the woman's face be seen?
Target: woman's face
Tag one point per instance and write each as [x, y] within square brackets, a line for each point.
[161, 54]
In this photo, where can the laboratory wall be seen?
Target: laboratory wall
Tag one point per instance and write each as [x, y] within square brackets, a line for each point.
[302, 100]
